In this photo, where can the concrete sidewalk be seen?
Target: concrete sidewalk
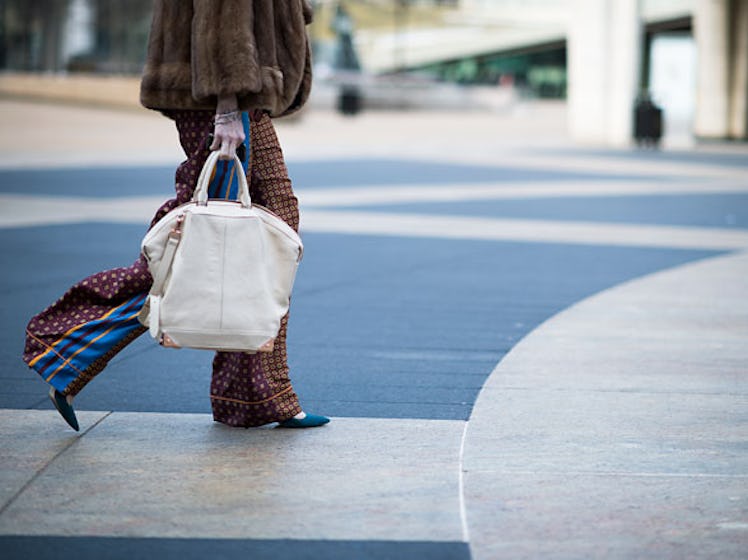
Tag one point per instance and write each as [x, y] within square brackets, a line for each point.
[530, 350]
[617, 428]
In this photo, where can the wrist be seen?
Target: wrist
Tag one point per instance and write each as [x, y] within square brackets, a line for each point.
[227, 118]
[226, 104]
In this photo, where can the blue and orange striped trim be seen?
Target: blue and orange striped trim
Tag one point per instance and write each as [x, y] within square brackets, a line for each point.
[70, 355]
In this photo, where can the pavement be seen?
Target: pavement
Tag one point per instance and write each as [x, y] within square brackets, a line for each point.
[529, 349]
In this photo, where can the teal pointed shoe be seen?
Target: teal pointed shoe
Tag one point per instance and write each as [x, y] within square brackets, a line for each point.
[64, 408]
[309, 421]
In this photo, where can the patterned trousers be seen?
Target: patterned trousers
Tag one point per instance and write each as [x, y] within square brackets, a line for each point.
[71, 341]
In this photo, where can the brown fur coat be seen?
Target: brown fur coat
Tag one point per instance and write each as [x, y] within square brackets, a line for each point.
[256, 49]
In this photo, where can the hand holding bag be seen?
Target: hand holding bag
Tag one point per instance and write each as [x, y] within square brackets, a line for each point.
[222, 272]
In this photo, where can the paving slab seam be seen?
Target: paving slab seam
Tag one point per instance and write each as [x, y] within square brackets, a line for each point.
[461, 485]
[73, 440]
[615, 474]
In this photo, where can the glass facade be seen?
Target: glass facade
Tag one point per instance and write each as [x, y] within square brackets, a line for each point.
[540, 72]
[107, 36]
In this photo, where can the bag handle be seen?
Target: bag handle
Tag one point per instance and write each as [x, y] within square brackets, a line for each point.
[203, 181]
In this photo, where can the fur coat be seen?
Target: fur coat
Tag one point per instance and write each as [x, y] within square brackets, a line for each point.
[256, 49]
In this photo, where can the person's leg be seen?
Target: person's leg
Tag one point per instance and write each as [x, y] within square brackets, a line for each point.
[270, 185]
[249, 390]
[71, 341]
[255, 389]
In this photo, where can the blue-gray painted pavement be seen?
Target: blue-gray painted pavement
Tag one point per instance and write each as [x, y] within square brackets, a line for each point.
[129, 181]
[380, 326]
[693, 210]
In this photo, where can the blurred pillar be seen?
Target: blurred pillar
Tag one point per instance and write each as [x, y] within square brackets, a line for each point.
[711, 31]
[52, 15]
[604, 54]
[78, 35]
[739, 71]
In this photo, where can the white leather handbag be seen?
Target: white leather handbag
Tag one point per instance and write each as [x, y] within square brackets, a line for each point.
[222, 272]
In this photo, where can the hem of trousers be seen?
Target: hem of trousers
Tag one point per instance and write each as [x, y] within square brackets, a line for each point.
[249, 414]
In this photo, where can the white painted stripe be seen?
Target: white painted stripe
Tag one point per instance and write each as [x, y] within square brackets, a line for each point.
[18, 210]
[616, 165]
[402, 194]
[535, 231]
[23, 211]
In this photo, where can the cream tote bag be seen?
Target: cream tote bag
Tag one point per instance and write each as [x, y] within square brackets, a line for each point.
[222, 272]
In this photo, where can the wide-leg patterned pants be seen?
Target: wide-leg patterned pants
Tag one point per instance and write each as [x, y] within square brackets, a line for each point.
[70, 342]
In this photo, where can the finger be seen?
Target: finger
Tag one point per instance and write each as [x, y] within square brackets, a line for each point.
[216, 143]
[233, 146]
[225, 150]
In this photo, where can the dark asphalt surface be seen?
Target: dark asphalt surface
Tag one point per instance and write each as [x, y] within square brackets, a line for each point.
[694, 210]
[380, 326]
[129, 181]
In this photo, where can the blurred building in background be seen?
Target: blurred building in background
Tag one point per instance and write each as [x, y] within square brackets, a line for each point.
[690, 56]
[108, 36]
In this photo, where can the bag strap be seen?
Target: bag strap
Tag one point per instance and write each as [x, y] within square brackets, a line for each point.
[223, 183]
[203, 181]
[201, 196]
[175, 236]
